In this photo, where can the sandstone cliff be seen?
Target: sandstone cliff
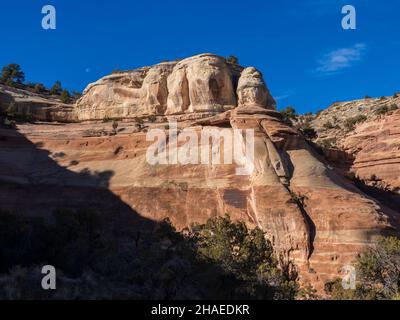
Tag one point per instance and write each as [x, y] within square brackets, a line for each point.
[313, 216]
[201, 84]
[368, 132]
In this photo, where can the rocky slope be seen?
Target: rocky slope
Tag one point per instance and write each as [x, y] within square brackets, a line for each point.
[313, 216]
[39, 107]
[368, 132]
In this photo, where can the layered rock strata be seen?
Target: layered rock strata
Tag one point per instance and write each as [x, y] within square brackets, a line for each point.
[314, 218]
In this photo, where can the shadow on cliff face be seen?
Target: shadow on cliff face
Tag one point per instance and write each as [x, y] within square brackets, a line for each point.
[37, 191]
[342, 162]
[388, 198]
[100, 247]
[33, 183]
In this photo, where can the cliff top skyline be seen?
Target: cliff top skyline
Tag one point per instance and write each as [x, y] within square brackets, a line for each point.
[307, 59]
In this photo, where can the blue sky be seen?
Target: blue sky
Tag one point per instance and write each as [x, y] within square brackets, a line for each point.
[307, 59]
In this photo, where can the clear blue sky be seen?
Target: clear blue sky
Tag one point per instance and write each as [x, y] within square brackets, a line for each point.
[307, 59]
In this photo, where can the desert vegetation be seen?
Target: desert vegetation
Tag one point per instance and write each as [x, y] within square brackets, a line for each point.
[9, 117]
[220, 259]
[232, 59]
[13, 76]
[301, 123]
[289, 115]
[382, 110]
[377, 274]
[350, 123]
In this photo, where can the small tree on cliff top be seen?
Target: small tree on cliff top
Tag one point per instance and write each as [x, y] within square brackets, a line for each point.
[65, 97]
[232, 59]
[288, 115]
[56, 88]
[11, 74]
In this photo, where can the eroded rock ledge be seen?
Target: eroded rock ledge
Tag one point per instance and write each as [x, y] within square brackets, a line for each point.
[203, 83]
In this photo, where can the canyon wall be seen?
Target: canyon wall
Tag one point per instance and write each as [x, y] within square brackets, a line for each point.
[313, 216]
[372, 140]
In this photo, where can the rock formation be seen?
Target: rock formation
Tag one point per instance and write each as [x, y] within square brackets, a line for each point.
[201, 84]
[373, 143]
[39, 107]
[313, 216]
[376, 146]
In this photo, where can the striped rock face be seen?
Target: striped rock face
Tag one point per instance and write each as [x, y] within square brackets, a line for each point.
[375, 145]
[314, 217]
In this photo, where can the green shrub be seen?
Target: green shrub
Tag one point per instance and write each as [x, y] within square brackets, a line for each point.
[309, 133]
[115, 126]
[381, 110]
[12, 74]
[12, 109]
[328, 125]
[99, 257]
[152, 118]
[56, 89]
[377, 273]
[350, 123]
[11, 124]
[306, 129]
[76, 95]
[65, 97]
[39, 88]
[24, 118]
[245, 255]
[139, 120]
[232, 60]
[328, 143]
[336, 291]
[289, 115]
[385, 109]
[308, 293]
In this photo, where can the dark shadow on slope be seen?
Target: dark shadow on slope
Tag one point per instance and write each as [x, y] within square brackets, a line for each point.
[299, 200]
[311, 226]
[388, 198]
[341, 163]
[338, 158]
